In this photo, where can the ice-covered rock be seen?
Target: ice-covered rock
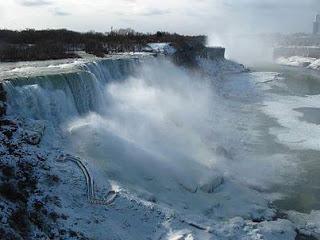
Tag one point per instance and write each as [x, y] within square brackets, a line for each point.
[307, 224]
[221, 151]
[163, 48]
[31, 137]
[188, 184]
[277, 230]
[181, 235]
[219, 67]
[33, 132]
[298, 61]
[148, 197]
[295, 61]
[209, 184]
[241, 229]
[315, 65]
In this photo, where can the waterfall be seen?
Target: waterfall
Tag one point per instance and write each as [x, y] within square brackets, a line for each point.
[58, 97]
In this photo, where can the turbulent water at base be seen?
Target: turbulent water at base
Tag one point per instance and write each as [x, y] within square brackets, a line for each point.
[139, 121]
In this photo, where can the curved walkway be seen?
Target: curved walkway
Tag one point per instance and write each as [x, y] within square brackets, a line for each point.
[89, 182]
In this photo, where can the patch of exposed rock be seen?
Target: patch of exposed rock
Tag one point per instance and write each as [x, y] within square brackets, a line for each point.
[3, 105]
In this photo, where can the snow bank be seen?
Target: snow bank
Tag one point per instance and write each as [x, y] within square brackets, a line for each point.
[163, 48]
[297, 61]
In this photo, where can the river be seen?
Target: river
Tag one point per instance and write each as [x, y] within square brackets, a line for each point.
[285, 103]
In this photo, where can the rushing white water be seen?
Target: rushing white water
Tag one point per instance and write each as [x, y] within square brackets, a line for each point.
[59, 97]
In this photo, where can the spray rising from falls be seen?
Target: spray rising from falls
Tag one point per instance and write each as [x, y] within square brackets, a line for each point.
[157, 107]
[146, 124]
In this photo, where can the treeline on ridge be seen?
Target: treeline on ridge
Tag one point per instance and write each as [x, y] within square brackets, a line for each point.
[30, 44]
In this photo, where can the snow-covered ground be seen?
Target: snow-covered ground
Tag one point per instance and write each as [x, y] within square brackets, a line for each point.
[163, 48]
[164, 148]
[297, 61]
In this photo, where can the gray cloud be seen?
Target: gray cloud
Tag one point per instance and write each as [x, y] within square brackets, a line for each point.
[272, 4]
[32, 3]
[222, 17]
[154, 12]
[60, 12]
[143, 12]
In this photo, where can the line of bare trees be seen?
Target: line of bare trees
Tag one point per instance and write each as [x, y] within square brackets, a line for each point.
[33, 44]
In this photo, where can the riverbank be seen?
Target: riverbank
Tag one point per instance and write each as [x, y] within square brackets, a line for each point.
[296, 61]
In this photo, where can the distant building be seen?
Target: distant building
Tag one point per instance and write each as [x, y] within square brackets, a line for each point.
[316, 25]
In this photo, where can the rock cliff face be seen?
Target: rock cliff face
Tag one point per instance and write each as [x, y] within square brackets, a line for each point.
[188, 55]
[2, 101]
[213, 53]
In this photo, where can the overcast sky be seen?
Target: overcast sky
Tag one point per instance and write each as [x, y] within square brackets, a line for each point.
[183, 16]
